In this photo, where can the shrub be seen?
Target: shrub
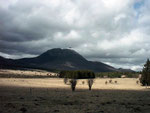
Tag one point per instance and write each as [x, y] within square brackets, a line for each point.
[73, 83]
[82, 82]
[90, 83]
[137, 82]
[110, 81]
[65, 80]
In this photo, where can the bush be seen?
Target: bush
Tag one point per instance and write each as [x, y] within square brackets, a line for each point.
[65, 80]
[90, 83]
[73, 83]
[82, 82]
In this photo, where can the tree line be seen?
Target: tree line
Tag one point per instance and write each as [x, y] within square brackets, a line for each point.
[78, 74]
[117, 74]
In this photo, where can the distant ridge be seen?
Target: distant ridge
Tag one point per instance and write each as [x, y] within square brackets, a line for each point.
[125, 70]
[57, 59]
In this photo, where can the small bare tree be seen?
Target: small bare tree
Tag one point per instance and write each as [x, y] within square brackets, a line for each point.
[82, 82]
[65, 80]
[116, 82]
[137, 82]
[73, 83]
[90, 83]
[110, 81]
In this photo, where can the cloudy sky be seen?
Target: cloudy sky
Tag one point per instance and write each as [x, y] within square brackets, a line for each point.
[112, 31]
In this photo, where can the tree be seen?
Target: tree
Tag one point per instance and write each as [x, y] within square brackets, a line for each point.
[73, 83]
[145, 79]
[65, 80]
[90, 83]
[77, 74]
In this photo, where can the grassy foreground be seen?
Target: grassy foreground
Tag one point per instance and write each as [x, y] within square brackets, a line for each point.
[43, 100]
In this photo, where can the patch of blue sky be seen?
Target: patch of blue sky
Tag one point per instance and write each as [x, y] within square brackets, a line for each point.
[137, 6]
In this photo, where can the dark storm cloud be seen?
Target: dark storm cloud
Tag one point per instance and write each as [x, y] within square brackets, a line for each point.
[113, 31]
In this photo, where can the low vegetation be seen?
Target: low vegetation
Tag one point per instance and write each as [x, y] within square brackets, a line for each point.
[90, 83]
[7, 73]
[73, 83]
[117, 74]
[24, 76]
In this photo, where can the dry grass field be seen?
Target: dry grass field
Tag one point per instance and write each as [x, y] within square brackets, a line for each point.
[51, 95]
[8, 73]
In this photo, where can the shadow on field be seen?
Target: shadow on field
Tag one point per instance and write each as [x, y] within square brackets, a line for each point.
[61, 100]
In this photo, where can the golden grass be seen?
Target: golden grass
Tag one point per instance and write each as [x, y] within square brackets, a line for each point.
[26, 72]
[99, 83]
[51, 95]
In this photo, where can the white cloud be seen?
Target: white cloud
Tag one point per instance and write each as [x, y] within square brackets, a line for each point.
[98, 29]
[116, 4]
[119, 17]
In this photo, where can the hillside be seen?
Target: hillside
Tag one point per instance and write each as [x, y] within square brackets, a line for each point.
[57, 59]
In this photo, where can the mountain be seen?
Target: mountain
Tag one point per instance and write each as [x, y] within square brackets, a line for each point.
[57, 59]
[6, 63]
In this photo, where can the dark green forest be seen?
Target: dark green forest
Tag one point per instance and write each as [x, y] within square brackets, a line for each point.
[145, 79]
[84, 74]
[78, 74]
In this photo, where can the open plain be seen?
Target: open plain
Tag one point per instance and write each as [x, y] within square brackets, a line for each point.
[51, 95]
